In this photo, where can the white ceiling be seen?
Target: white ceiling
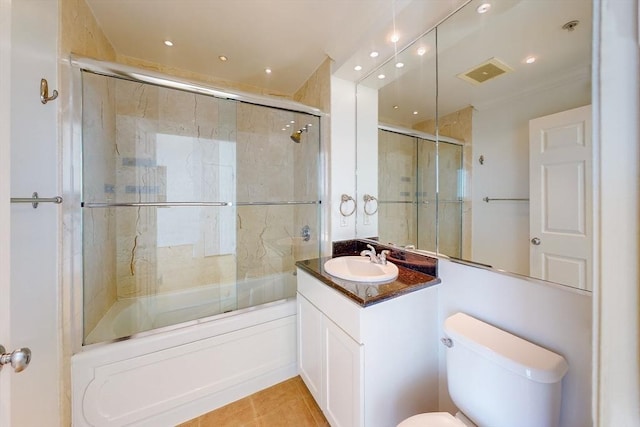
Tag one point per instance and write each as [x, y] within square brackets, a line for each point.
[292, 37]
[511, 31]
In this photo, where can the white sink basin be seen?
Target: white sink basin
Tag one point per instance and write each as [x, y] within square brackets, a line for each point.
[360, 269]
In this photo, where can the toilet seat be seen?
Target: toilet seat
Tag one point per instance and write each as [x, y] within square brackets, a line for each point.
[432, 419]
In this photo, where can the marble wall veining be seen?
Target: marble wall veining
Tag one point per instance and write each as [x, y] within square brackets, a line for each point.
[173, 146]
[272, 168]
[99, 225]
[79, 33]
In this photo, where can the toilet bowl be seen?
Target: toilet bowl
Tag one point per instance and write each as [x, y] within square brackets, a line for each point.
[437, 419]
[486, 365]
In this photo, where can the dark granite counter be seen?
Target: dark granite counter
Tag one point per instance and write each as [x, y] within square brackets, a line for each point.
[366, 294]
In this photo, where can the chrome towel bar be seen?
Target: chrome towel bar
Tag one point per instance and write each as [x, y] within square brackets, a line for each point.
[35, 199]
[192, 204]
[487, 199]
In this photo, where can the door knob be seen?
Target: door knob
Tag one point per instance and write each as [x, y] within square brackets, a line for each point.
[19, 359]
[535, 241]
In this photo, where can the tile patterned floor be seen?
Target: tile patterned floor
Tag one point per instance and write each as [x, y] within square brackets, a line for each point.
[288, 404]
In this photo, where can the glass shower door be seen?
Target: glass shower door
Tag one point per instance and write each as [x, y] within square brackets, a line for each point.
[192, 205]
[397, 188]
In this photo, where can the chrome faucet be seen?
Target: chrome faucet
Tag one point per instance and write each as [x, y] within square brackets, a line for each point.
[375, 258]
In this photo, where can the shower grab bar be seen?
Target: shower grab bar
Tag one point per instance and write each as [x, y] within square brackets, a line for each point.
[35, 199]
[487, 199]
[191, 204]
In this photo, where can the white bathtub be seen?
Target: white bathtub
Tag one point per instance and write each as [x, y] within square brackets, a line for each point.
[128, 316]
[171, 376]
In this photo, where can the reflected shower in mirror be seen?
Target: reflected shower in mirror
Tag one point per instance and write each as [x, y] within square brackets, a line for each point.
[513, 94]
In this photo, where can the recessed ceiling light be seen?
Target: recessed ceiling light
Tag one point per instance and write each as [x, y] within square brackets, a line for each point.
[399, 64]
[292, 121]
[381, 76]
[395, 107]
[357, 68]
[222, 58]
[267, 70]
[415, 113]
[394, 38]
[530, 60]
[421, 51]
[483, 8]
[168, 43]
[374, 54]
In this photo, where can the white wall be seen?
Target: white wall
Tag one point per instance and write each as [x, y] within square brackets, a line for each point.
[617, 139]
[552, 316]
[5, 194]
[35, 392]
[367, 159]
[501, 135]
[342, 157]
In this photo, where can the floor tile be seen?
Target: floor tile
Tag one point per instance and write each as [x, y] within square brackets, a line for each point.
[288, 404]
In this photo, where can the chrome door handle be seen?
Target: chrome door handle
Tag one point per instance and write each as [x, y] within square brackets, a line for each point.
[535, 241]
[19, 359]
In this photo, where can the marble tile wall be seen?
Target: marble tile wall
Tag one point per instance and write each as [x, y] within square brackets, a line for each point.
[458, 125]
[79, 34]
[449, 200]
[427, 189]
[397, 182]
[401, 177]
[218, 151]
[99, 124]
[273, 168]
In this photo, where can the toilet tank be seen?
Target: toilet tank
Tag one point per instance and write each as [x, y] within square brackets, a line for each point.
[499, 380]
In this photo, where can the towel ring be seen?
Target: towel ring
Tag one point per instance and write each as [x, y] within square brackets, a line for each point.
[368, 198]
[344, 199]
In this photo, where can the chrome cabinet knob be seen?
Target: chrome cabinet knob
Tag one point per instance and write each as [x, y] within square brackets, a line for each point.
[19, 359]
[535, 241]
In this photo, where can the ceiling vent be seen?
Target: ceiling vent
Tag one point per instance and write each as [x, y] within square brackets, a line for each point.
[485, 71]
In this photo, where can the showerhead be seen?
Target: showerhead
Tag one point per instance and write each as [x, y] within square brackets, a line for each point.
[295, 137]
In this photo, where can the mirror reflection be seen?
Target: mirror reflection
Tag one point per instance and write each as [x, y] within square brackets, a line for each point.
[498, 170]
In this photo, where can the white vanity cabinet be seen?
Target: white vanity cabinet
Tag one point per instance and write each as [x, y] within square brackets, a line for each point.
[368, 366]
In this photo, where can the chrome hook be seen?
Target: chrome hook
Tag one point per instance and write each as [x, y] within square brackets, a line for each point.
[44, 92]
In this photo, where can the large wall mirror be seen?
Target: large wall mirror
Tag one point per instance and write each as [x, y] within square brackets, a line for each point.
[483, 140]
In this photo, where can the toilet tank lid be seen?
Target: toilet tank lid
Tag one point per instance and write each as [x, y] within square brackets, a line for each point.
[511, 352]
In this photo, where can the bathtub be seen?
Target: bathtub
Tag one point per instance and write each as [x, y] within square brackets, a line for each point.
[171, 375]
[149, 313]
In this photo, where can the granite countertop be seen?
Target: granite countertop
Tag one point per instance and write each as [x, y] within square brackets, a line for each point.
[366, 294]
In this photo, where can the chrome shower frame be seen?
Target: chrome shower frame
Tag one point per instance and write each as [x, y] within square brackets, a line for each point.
[72, 261]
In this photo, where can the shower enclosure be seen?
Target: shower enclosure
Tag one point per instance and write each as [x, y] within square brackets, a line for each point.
[193, 203]
[421, 185]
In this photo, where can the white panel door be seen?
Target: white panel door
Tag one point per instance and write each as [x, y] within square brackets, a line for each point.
[29, 286]
[560, 192]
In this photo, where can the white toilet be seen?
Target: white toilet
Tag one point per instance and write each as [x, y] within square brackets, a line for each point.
[496, 379]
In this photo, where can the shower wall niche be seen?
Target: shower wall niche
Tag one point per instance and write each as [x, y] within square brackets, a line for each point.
[192, 205]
